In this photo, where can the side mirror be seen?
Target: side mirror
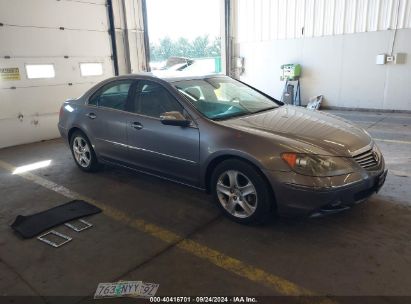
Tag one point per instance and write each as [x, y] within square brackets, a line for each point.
[174, 119]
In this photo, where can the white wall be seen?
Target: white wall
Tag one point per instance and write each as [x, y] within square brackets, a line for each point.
[265, 20]
[342, 68]
[337, 51]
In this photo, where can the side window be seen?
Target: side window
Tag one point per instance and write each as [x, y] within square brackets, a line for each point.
[113, 95]
[152, 99]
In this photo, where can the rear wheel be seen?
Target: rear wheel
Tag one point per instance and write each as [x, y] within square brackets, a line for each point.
[241, 192]
[83, 153]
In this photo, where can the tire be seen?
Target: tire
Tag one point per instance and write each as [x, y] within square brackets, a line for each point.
[83, 152]
[241, 192]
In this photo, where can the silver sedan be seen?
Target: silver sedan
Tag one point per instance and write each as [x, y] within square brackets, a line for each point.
[255, 155]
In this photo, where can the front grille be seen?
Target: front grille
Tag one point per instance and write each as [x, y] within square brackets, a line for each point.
[368, 159]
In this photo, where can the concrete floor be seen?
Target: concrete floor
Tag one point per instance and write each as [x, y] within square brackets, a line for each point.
[365, 251]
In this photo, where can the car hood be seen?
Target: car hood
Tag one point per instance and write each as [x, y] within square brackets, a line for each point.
[316, 131]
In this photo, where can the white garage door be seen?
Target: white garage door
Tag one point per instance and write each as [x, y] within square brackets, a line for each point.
[49, 51]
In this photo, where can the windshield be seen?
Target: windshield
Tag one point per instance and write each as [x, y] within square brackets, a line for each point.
[223, 97]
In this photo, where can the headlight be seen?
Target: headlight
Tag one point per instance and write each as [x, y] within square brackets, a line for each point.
[318, 165]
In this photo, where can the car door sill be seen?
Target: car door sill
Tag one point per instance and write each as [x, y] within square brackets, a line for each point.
[106, 161]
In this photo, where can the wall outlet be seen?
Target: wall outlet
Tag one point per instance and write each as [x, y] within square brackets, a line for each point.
[381, 59]
[398, 58]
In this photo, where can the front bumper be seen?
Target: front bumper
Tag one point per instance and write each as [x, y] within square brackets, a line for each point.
[298, 195]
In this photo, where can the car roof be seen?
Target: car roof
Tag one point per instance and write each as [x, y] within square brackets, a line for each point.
[167, 76]
[172, 76]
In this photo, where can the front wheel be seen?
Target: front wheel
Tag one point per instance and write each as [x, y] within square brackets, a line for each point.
[83, 152]
[241, 192]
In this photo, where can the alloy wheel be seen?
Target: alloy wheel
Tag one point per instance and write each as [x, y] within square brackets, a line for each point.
[236, 194]
[81, 152]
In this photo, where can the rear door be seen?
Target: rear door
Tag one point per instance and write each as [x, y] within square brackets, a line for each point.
[106, 118]
[170, 151]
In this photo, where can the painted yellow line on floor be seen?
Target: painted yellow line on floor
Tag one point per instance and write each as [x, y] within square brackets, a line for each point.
[281, 285]
[394, 141]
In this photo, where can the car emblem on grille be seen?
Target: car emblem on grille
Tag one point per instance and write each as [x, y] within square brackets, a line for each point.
[376, 156]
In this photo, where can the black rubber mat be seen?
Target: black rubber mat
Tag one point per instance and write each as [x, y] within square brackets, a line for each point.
[32, 225]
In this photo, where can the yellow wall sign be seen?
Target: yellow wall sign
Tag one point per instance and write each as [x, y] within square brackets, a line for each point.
[9, 74]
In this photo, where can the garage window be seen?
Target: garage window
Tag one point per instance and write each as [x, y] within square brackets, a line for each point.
[36, 71]
[91, 69]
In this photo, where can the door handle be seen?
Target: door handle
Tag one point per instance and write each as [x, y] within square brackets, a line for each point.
[136, 125]
[91, 115]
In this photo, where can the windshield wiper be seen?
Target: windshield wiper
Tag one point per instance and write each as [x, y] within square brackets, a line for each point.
[242, 114]
[230, 116]
[263, 110]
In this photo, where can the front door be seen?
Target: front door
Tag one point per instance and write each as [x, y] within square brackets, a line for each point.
[170, 151]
